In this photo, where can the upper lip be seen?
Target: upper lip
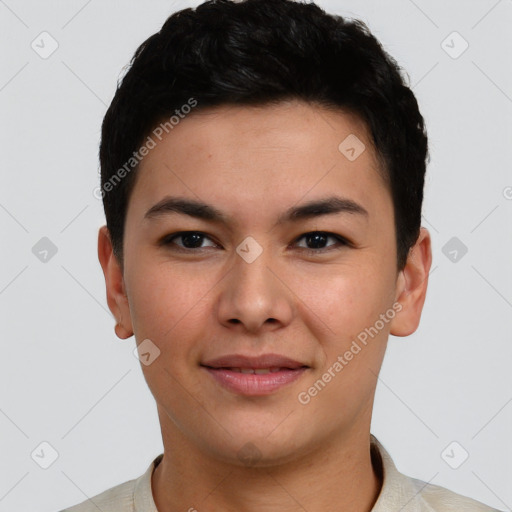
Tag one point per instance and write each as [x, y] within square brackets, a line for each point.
[262, 361]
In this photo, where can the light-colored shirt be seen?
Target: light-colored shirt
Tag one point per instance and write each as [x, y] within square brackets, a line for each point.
[399, 493]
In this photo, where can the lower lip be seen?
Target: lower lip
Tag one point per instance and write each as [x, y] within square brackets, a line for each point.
[253, 384]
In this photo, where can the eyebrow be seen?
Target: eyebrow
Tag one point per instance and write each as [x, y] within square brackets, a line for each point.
[193, 208]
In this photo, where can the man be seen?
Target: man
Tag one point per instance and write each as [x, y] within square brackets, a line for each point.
[262, 169]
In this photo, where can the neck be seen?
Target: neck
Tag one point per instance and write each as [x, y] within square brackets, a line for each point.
[342, 473]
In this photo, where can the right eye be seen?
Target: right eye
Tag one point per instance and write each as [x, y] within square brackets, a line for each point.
[191, 241]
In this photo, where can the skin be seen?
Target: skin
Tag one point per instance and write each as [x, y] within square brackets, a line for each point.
[253, 163]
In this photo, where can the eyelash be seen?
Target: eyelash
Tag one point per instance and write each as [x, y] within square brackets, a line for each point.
[168, 241]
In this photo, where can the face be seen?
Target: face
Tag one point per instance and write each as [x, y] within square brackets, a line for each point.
[260, 279]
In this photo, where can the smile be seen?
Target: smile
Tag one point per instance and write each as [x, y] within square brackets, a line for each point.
[258, 371]
[254, 381]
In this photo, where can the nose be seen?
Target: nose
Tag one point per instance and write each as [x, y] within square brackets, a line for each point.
[254, 296]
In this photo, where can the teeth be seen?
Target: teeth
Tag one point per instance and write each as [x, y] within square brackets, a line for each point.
[257, 371]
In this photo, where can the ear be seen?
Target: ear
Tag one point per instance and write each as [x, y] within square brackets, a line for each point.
[114, 282]
[411, 287]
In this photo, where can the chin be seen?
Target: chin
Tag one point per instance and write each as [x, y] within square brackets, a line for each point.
[254, 449]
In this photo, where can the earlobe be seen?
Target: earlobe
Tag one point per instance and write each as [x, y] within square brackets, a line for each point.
[117, 299]
[121, 332]
[412, 286]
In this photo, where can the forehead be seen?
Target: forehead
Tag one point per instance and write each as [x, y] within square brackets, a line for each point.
[247, 156]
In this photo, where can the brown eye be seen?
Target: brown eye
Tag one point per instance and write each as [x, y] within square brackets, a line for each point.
[316, 240]
[190, 240]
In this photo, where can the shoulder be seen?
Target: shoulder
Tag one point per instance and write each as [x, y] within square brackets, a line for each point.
[440, 499]
[115, 499]
[407, 494]
[129, 496]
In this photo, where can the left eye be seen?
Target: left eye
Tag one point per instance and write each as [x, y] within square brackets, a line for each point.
[319, 238]
[193, 240]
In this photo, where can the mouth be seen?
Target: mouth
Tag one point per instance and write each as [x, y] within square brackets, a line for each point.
[254, 376]
[257, 371]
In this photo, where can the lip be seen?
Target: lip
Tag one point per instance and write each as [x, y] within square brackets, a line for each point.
[262, 361]
[252, 384]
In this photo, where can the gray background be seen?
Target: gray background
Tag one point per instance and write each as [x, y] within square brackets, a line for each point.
[67, 380]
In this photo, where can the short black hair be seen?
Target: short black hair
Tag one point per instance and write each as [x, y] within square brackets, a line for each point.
[259, 52]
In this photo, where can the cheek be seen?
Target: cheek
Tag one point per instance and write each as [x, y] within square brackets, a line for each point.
[166, 303]
[168, 307]
[346, 299]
